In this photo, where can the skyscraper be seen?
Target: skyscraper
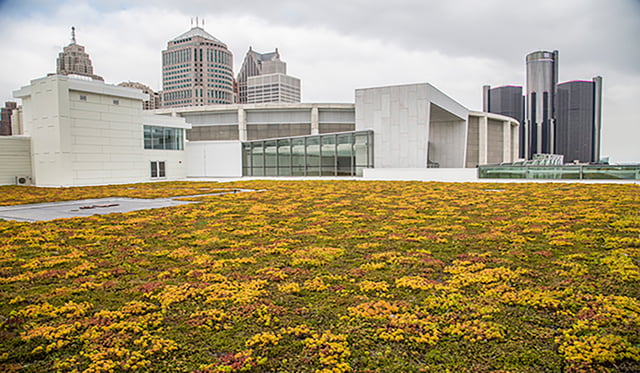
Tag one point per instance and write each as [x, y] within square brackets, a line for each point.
[73, 60]
[5, 118]
[578, 113]
[197, 70]
[542, 78]
[507, 100]
[263, 78]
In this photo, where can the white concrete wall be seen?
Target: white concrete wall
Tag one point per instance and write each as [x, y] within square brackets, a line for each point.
[399, 117]
[214, 159]
[106, 139]
[496, 142]
[402, 122]
[175, 163]
[447, 143]
[424, 174]
[15, 153]
[46, 119]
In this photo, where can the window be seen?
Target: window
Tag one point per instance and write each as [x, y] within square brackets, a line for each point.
[163, 138]
[116, 102]
[83, 97]
[341, 154]
[158, 169]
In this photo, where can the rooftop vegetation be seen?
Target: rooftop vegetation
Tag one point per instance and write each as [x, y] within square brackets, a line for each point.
[327, 276]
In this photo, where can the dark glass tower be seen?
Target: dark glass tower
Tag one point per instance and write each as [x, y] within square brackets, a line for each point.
[507, 100]
[578, 109]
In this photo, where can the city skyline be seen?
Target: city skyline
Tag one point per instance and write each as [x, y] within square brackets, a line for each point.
[335, 53]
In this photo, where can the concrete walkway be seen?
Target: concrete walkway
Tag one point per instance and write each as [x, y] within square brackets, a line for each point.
[88, 207]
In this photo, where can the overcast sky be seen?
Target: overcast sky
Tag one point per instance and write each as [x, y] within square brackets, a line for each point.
[336, 46]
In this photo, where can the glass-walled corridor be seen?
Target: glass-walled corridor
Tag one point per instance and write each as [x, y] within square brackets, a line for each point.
[336, 154]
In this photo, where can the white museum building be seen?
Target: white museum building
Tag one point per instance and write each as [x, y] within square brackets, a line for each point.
[86, 132]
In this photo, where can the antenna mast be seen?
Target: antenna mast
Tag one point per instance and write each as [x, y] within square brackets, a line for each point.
[73, 35]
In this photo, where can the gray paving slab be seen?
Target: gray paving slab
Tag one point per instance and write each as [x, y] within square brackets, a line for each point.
[89, 207]
[85, 207]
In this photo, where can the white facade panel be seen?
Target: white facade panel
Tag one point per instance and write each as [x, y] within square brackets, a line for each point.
[214, 159]
[15, 152]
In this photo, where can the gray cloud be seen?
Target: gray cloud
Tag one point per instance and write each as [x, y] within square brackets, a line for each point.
[490, 28]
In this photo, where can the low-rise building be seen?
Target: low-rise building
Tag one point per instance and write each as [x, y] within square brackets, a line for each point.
[153, 102]
[86, 132]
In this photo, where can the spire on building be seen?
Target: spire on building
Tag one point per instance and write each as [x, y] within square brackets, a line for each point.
[73, 60]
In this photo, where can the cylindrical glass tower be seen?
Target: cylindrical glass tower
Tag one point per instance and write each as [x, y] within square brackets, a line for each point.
[542, 78]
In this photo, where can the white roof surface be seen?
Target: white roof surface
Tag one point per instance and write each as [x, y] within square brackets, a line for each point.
[198, 31]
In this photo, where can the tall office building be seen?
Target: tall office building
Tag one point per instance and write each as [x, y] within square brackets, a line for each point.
[578, 113]
[197, 70]
[263, 78]
[509, 101]
[542, 78]
[73, 60]
[153, 102]
[5, 118]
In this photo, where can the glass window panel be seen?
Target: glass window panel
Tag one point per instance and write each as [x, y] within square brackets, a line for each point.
[610, 172]
[258, 156]
[284, 171]
[162, 138]
[370, 148]
[258, 171]
[345, 166]
[284, 153]
[297, 171]
[246, 155]
[298, 152]
[328, 145]
[180, 133]
[344, 145]
[361, 149]
[154, 169]
[328, 160]
[313, 171]
[328, 155]
[170, 142]
[161, 169]
[148, 144]
[570, 173]
[270, 171]
[328, 171]
[157, 135]
[502, 172]
[544, 173]
[313, 151]
[270, 152]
